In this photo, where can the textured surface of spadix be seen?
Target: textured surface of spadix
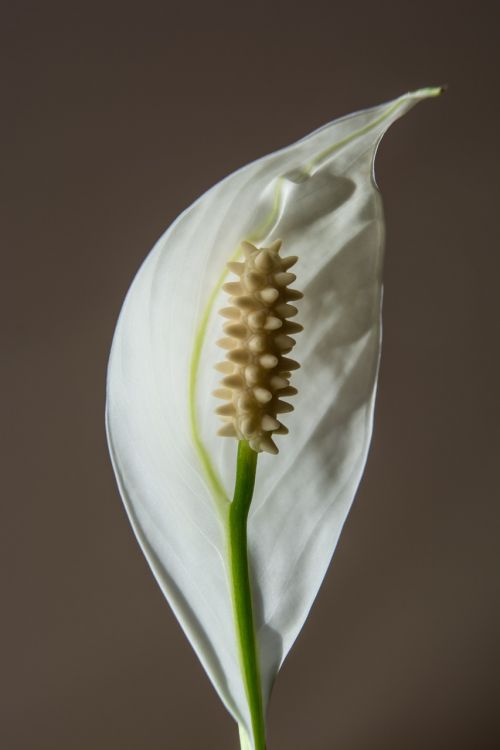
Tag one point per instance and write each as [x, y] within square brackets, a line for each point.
[256, 372]
[318, 196]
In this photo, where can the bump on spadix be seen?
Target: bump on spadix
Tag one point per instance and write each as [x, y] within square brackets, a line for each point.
[257, 336]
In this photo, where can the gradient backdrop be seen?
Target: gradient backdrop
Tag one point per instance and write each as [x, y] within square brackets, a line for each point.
[117, 115]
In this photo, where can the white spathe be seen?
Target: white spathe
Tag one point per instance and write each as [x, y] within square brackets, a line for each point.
[319, 197]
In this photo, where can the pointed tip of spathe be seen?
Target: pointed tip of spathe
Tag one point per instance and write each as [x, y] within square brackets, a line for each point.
[428, 92]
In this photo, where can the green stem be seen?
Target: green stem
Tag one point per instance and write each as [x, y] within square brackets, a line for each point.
[241, 588]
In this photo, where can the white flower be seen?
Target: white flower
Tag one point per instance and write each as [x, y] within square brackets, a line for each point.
[175, 475]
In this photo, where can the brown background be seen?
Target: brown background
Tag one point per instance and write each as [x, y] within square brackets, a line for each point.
[115, 117]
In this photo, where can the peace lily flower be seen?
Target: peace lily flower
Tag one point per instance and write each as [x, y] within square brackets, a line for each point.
[241, 591]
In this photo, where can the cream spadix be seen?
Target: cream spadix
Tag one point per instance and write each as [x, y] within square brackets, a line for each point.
[175, 477]
[256, 372]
